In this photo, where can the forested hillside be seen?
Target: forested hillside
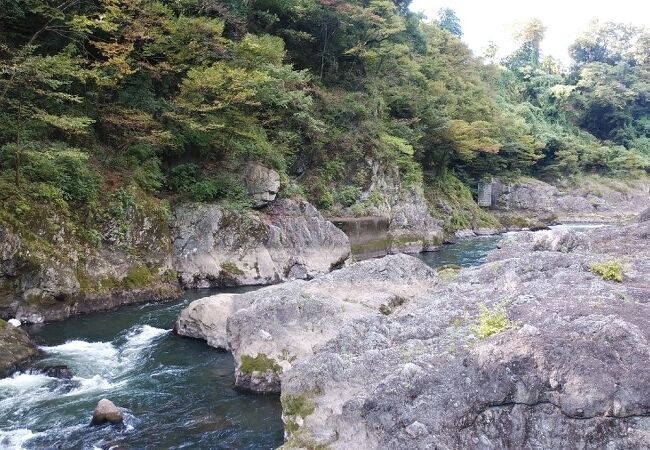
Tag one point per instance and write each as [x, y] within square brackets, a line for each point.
[109, 102]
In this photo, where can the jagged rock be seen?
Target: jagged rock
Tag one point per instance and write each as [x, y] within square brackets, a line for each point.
[270, 329]
[16, 348]
[218, 247]
[107, 412]
[567, 368]
[594, 200]
[262, 183]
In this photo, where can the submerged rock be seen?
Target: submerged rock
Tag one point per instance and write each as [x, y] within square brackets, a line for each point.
[107, 412]
[16, 348]
[218, 247]
[62, 372]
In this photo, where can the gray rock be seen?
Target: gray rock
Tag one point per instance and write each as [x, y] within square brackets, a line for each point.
[595, 199]
[644, 216]
[16, 348]
[567, 370]
[107, 412]
[263, 184]
[411, 228]
[290, 239]
[298, 317]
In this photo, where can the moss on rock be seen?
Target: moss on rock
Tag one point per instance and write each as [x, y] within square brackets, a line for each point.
[260, 363]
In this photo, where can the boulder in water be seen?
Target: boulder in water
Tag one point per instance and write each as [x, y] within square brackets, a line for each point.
[61, 372]
[107, 412]
[16, 348]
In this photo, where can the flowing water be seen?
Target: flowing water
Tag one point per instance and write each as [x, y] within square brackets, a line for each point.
[178, 393]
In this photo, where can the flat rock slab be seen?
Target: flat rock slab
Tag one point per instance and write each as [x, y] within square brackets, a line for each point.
[566, 369]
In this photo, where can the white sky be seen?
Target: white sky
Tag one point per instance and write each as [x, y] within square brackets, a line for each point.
[565, 20]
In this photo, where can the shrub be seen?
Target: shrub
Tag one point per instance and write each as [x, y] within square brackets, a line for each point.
[492, 321]
[260, 363]
[348, 195]
[149, 176]
[230, 268]
[183, 176]
[608, 271]
[137, 277]
[326, 200]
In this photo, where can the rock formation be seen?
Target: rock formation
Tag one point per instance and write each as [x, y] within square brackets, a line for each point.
[538, 348]
[16, 348]
[289, 239]
[528, 202]
[263, 184]
[107, 412]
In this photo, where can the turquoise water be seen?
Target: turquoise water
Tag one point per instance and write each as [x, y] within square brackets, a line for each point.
[178, 393]
[465, 253]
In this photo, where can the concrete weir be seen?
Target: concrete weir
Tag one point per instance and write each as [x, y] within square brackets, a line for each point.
[368, 235]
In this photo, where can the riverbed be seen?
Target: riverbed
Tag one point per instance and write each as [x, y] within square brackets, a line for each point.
[178, 393]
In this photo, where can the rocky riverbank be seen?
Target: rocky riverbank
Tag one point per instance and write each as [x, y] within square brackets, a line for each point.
[542, 347]
[528, 202]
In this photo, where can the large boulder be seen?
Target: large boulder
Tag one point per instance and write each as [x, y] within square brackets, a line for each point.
[214, 246]
[107, 412]
[16, 348]
[262, 183]
[271, 329]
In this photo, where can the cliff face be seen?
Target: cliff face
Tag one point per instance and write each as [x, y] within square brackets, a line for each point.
[149, 254]
[288, 239]
[47, 272]
[407, 224]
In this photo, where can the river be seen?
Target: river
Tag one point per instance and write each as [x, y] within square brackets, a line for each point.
[178, 392]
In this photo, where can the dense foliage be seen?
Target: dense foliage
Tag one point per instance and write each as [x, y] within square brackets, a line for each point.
[172, 98]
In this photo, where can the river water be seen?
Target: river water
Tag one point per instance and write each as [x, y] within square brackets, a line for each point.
[178, 393]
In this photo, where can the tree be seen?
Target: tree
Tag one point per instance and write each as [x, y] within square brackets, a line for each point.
[448, 20]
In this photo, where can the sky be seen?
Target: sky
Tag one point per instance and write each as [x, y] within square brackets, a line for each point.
[565, 20]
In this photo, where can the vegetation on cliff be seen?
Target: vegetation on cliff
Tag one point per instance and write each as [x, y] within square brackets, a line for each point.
[114, 98]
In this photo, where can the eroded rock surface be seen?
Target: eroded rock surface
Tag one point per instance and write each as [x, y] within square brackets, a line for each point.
[289, 240]
[529, 202]
[531, 350]
[566, 371]
[270, 329]
[16, 348]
